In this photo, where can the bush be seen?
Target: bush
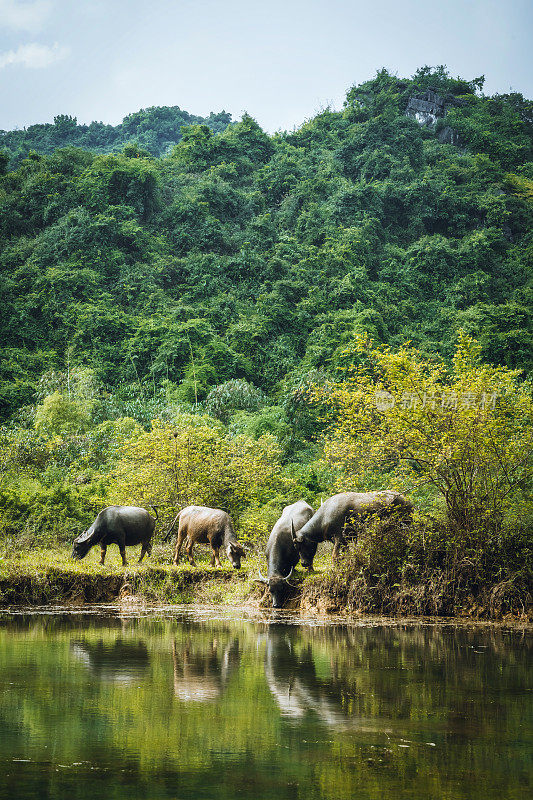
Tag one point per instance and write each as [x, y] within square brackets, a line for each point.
[59, 415]
[194, 463]
[234, 395]
[467, 432]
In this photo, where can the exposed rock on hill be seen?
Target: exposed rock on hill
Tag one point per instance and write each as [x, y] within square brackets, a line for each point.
[427, 109]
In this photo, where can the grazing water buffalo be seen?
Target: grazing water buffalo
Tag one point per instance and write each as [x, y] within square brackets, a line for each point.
[282, 556]
[122, 525]
[208, 526]
[328, 522]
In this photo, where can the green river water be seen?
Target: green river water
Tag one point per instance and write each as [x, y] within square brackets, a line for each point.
[206, 704]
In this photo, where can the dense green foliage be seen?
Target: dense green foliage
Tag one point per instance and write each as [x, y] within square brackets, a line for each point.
[155, 129]
[229, 273]
[241, 255]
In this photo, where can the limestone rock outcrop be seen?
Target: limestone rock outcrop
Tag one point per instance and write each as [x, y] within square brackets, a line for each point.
[427, 108]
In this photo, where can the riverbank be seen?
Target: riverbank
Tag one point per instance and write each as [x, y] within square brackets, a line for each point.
[52, 577]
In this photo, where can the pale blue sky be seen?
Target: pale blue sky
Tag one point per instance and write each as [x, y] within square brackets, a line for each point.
[280, 60]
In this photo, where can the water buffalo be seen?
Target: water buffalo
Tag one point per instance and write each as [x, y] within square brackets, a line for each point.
[122, 525]
[328, 522]
[282, 556]
[207, 526]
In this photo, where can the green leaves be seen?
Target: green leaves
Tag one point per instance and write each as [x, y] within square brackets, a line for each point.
[466, 432]
[60, 415]
[193, 462]
[120, 180]
[267, 251]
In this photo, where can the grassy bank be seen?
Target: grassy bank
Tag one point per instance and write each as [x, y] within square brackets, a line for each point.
[428, 570]
[51, 576]
[446, 592]
[355, 586]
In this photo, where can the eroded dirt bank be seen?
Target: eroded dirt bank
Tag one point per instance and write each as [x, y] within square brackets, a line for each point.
[55, 585]
[317, 595]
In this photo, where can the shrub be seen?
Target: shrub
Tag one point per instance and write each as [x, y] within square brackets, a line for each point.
[234, 395]
[467, 432]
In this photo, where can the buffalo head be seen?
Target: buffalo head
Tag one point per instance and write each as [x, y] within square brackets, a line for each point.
[83, 543]
[305, 547]
[279, 589]
[278, 586]
[235, 552]
[81, 546]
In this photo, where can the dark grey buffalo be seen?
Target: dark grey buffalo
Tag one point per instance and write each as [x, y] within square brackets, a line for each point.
[208, 526]
[282, 556]
[329, 521]
[121, 525]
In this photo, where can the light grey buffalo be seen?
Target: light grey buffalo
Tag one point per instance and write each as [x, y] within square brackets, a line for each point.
[328, 522]
[209, 526]
[282, 556]
[121, 525]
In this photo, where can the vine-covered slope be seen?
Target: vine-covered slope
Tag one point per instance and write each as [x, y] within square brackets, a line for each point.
[244, 255]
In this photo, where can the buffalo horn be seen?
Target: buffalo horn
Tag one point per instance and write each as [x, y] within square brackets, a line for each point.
[286, 578]
[262, 578]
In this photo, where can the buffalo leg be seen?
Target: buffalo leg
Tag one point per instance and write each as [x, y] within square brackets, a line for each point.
[336, 550]
[215, 558]
[177, 550]
[190, 547]
[146, 548]
[103, 550]
[123, 555]
[340, 543]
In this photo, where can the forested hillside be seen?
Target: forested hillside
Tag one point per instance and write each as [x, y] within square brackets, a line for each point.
[229, 274]
[156, 129]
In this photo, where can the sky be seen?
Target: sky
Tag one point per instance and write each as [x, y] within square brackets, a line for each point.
[281, 61]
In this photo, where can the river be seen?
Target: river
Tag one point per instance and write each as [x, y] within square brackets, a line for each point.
[205, 704]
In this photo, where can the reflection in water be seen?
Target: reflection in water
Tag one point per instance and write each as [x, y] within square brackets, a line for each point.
[121, 661]
[201, 674]
[291, 677]
[176, 707]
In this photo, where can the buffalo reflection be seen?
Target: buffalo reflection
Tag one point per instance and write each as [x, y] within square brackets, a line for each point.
[201, 674]
[119, 662]
[292, 680]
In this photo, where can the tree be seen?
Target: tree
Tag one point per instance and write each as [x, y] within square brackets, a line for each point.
[467, 431]
[4, 161]
[234, 395]
[65, 125]
[193, 462]
[61, 416]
